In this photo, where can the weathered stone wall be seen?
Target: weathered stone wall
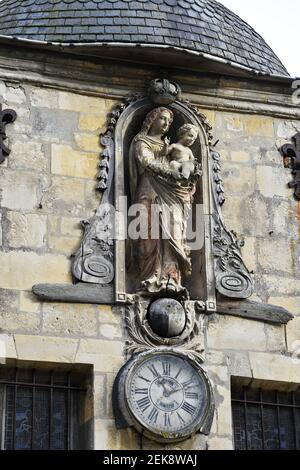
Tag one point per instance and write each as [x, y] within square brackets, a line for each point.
[48, 186]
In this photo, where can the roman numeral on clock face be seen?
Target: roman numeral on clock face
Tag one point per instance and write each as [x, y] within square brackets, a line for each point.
[144, 403]
[166, 368]
[167, 420]
[153, 415]
[141, 391]
[180, 418]
[188, 408]
[188, 383]
[192, 395]
[144, 378]
[153, 370]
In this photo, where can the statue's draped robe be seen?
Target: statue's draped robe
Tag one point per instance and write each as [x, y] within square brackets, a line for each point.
[160, 257]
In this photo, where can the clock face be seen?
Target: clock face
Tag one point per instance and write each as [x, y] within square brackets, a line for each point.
[167, 395]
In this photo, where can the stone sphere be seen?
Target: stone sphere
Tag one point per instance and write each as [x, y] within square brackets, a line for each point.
[166, 318]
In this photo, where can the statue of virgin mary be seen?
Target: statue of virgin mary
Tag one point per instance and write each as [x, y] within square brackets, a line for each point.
[160, 262]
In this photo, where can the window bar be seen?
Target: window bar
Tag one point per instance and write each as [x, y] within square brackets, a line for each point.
[14, 410]
[33, 407]
[294, 419]
[50, 409]
[278, 420]
[245, 415]
[262, 419]
[69, 411]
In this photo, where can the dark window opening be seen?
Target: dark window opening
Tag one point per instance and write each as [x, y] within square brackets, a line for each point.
[265, 419]
[42, 409]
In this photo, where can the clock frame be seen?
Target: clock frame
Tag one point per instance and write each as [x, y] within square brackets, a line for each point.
[197, 412]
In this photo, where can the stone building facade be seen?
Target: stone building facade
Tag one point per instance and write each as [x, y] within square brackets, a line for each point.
[62, 100]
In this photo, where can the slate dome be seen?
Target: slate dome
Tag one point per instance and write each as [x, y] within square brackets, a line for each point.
[204, 26]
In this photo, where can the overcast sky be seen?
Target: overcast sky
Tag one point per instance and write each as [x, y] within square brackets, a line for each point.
[277, 21]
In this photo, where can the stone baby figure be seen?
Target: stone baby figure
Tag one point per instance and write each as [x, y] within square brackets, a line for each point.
[181, 157]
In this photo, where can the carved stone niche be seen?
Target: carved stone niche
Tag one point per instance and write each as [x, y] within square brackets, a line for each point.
[100, 266]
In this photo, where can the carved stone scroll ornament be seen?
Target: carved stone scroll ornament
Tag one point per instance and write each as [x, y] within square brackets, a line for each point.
[291, 155]
[6, 117]
[232, 278]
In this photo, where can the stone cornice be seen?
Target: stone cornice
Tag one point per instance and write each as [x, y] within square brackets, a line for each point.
[116, 79]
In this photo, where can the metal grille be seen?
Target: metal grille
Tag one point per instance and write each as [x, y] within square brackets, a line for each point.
[266, 419]
[40, 409]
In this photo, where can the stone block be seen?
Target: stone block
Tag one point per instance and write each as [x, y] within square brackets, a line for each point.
[247, 216]
[108, 314]
[249, 253]
[69, 320]
[107, 437]
[88, 142]
[28, 155]
[101, 362]
[227, 332]
[14, 94]
[64, 245]
[9, 301]
[100, 396]
[53, 125]
[285, 130]
[26, 230]
[65, 196]
[293, 339]
[270, 255]
[71, 226]
[238, 179]
[80, 103]
[44, 98]
[7, 348]
[68, 162]
[280, 286]
[239, 364]
[19, 189]
[110, 378]
[29, 302]
[101, 347]
[276, 341]
[54, 224]
[220, 443]
[110, 331]
[275, 367]
[46, 348]
[224, 414]
[92, 122]
[240, 156]
[273, 181]
[262, 126]
[292, 304]
[284, 221]
[13, 321]
[21, 270]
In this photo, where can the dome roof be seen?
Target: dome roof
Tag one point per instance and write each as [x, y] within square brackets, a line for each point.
[204, 26]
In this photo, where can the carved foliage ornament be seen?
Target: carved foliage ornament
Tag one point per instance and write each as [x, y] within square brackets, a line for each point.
[291, 155]
[142, 338]
[6, 117]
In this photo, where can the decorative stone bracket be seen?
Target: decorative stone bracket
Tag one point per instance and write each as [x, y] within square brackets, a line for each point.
[291, 156]
[6, 117]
